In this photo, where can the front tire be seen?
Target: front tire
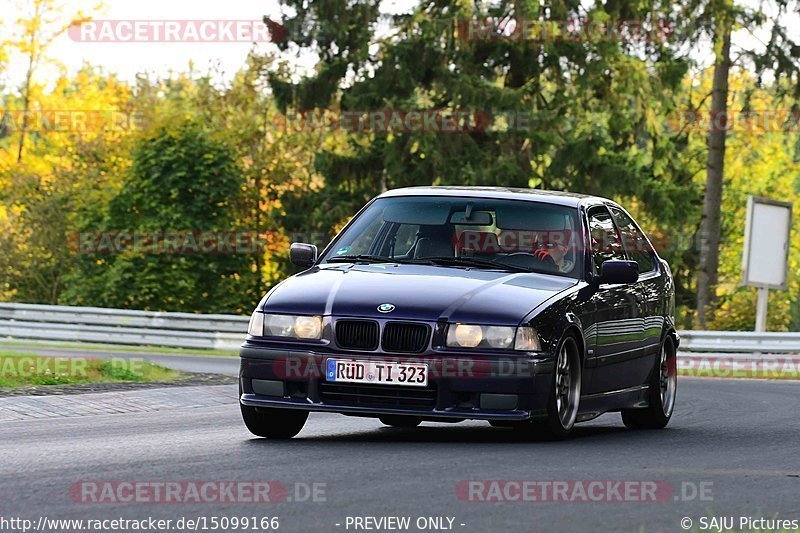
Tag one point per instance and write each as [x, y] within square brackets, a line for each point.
[663, 390]
[273, 423]
[565, 394]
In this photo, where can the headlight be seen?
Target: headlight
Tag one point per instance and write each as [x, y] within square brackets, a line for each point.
[278, 325]
[256, 327]
[527, 340]
[308, 327]
[464, 335]
[500, 337]
[298, 327]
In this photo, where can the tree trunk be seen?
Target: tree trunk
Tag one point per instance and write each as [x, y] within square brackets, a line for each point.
[707, 275]
[34, 49]
[26, 104]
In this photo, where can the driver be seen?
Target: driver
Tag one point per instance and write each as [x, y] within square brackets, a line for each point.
[558, 254]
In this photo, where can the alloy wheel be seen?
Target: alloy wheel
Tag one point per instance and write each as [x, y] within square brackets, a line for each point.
[668, 380]
[567, 386]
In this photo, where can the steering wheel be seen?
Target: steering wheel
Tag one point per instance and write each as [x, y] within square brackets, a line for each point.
[532, 261]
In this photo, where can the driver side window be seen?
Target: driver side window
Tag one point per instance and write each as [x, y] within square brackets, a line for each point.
[634, 241]
[605, 240]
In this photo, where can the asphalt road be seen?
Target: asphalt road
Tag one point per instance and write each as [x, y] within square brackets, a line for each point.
[734, 441]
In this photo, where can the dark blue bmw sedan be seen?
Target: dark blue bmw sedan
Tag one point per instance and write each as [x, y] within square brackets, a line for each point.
[529, 309]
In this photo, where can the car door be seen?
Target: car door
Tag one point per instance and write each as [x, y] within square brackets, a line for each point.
[618, 322]
[649, 288]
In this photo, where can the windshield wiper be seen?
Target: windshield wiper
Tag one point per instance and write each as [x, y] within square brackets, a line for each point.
[448, 261]
[378, 259]
[475, 262]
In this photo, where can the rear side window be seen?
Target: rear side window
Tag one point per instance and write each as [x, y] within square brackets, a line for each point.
[605, 240]
[634, 241]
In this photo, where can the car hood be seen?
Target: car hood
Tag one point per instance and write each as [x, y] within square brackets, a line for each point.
[418, 292]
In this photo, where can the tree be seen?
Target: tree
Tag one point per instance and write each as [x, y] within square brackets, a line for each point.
[780, 59]
[43, 24]
[277, 160]
[586, 114]
[62, 183]
[761, 158]
[707, 274]
[184, 184]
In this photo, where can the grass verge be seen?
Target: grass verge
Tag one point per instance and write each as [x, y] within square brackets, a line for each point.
[29, 370]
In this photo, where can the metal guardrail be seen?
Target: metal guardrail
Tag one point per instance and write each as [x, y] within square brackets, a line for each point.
[42, 323]
[739, 342]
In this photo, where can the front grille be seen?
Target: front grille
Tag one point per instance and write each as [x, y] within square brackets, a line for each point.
[357, 334]
[405, 337]
[377, 395]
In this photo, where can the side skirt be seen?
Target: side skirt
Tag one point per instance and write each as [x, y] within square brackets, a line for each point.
[595, 405]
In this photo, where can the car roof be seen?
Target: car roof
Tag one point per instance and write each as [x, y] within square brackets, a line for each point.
[503, 193]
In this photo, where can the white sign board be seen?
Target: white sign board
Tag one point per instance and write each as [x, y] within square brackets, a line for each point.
[766, 243]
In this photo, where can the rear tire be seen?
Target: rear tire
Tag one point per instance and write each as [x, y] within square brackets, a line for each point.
[400, 421]
[273, 423]
[565, 395]
[662, 393]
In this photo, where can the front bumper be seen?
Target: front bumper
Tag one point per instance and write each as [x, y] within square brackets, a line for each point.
[473, 386]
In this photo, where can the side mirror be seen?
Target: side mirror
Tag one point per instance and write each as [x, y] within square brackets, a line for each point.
[302, 254]
[615, 271]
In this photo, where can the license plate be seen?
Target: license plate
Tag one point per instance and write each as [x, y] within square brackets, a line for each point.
[376, 372]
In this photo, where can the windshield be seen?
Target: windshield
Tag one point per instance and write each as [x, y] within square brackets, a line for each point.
[509, 235]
